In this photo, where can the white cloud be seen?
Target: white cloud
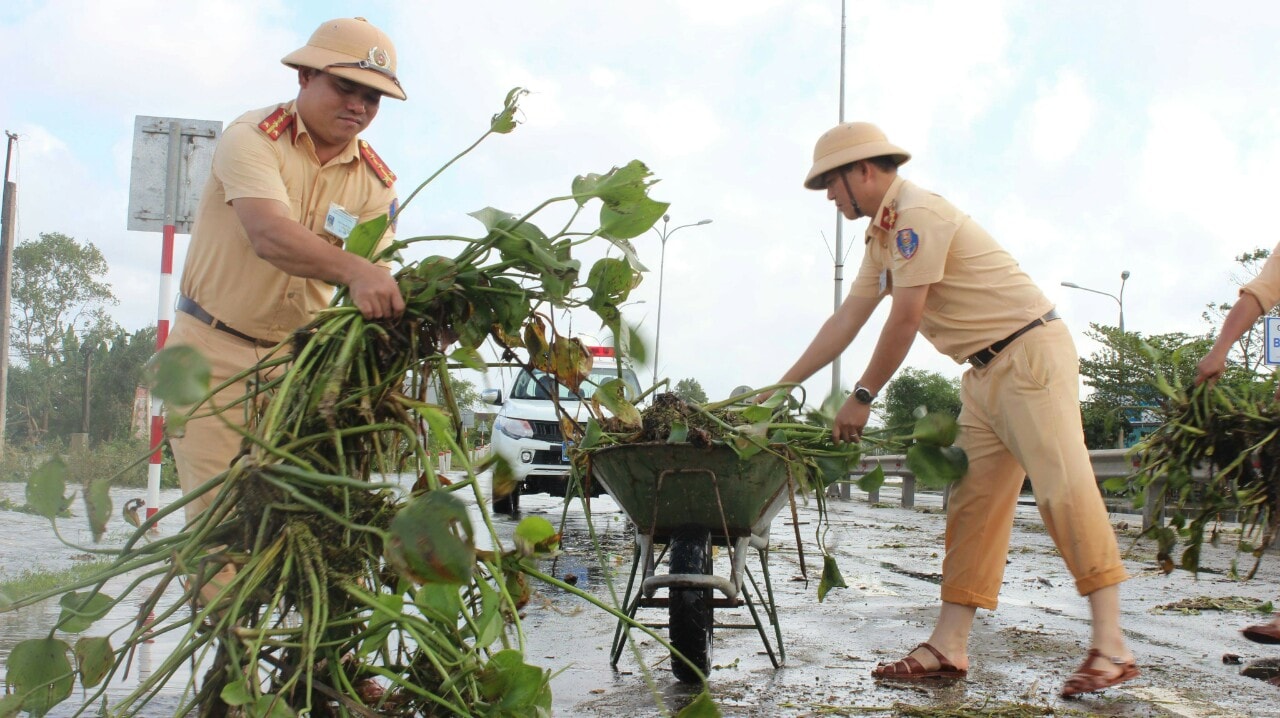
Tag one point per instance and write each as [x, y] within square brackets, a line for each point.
[1060, 117]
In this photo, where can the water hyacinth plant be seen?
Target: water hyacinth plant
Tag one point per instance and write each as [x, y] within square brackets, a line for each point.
[352, 596]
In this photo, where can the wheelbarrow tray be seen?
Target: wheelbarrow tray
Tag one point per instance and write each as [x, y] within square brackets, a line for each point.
[663, 487]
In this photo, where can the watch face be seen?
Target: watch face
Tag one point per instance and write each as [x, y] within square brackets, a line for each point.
[863, 395]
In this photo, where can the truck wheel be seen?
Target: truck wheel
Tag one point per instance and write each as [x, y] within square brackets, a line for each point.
[691, 614]
[509, 504]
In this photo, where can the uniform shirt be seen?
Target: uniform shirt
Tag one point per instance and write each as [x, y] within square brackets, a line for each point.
[1266, 286]
[977, 293]
[222, 273]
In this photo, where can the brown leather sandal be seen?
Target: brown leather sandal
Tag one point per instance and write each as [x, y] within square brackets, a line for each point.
[1265, 633]
[909, 669]
[1087, 679]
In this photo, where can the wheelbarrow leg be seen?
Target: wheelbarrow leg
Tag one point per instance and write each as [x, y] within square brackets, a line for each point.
[630, 603]
[755, 616]
[772, 607]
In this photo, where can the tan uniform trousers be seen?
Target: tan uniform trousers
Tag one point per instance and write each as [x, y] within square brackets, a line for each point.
[208, 446]
[1021, 416]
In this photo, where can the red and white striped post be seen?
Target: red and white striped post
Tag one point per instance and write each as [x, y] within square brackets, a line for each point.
[164, 312]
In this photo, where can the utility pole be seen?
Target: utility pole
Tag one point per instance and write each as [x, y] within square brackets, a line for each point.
[839, 258]
[7, 212]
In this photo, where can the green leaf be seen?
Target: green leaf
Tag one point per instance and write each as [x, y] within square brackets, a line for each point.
[701, 707]
[831, 577]
[757, 413]
[612, 395]
[381, 622]
[536, 535]
[97, 503]
[1115, 484]
[10, 706]
[503, 477]
[364, 237]
[81, 609]
[178, 375]
[440, 602]
[505, 121]
[872, 480]
[469, 358]
[592, 435]
[512, 687]
[94, 659]
[432, 540]
[936, 429]
[236, 693]
[489, 621]
[46, 487]
[936, 467]
[40, 672]
[679, 433]
[833, 468]
[271, 706]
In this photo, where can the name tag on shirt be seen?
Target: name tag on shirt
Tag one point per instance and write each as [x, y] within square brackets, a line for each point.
[339, 222]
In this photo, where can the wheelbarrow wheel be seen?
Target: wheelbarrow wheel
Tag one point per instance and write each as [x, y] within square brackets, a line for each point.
[691, 616]
[509, 504]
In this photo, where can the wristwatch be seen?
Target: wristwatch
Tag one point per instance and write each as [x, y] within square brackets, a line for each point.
[863, 394]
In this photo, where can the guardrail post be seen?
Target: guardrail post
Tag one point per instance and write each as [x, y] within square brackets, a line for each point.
[1153, 513]
[908, 490]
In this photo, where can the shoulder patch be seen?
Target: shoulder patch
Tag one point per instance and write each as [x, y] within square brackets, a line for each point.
[375, 163]
[276, 123]
[908, 242]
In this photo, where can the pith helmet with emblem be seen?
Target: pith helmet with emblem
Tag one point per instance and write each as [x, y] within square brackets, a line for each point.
[848, 143]
[351, 48]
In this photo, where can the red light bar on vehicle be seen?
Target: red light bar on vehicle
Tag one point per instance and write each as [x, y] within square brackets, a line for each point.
[601, 351]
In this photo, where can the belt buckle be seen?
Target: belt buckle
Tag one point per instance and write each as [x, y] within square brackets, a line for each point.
[977, 360]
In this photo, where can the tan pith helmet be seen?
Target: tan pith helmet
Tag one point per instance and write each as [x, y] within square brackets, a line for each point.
[848, 143]
[351, 48]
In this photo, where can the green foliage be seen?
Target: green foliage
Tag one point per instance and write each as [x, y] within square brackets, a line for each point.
[913, 388]
[57, 289]
[1123, 375]
[690, 390]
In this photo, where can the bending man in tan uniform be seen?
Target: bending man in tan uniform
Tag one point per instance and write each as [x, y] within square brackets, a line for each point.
[951, 282]
[1256, 298]
[288, 183]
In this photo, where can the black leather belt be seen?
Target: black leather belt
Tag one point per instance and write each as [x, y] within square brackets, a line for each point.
[984, 357]
[188, 305]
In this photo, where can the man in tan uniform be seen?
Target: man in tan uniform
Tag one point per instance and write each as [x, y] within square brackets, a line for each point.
[1256, 298]
[288, 183]
[951, 282]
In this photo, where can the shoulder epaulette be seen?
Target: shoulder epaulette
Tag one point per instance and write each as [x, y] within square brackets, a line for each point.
[276, 123]
[375, 163]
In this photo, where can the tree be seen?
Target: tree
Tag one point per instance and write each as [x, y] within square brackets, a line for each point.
[691, 391]
[1122, 375]
[913, 388]
[57, 287]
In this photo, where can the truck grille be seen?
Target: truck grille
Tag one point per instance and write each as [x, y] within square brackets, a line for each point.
[548, 431]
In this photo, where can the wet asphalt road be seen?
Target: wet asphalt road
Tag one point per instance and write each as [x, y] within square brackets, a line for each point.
[890, 558]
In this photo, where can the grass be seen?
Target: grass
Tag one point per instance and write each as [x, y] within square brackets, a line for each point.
[35, 581]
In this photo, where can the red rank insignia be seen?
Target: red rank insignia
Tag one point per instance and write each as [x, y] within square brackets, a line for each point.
[375, 162]
[889, 216]
[276, 123]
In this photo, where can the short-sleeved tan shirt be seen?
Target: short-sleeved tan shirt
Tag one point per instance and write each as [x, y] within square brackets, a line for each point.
[222, 273]
[1266, 286]
[978, 295]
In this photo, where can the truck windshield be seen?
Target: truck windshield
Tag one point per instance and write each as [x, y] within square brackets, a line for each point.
[540, 385]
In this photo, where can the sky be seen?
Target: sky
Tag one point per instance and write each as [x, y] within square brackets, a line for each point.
[1089, 138]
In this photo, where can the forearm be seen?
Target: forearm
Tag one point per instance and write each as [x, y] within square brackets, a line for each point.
[891, 350]
[294, 249]
[1241, 317]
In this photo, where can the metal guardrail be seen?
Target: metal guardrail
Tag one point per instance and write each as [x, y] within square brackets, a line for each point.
[1107, 464]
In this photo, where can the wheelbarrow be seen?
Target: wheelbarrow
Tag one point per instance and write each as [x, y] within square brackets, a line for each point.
[683, 500]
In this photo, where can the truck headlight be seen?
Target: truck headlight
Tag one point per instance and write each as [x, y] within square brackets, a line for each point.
[515, 428]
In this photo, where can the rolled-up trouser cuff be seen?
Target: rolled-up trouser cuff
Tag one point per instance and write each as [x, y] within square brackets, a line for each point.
[951, 594]
[1102, 579]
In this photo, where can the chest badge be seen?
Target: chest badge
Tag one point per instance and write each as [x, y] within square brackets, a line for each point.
[908, 242]
[889, 216]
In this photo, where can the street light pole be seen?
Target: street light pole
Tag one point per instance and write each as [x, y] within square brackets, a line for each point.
[1124, 277]
[665, 234]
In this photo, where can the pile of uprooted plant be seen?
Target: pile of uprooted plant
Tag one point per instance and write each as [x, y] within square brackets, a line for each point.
[1212, 470]
[352, 595]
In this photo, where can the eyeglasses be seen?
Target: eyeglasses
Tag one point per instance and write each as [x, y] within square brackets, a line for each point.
[379, 61]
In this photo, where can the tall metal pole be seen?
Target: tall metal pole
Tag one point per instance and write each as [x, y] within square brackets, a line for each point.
[662, 261]
[839, 258]
[164, 311]
[8, 210]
